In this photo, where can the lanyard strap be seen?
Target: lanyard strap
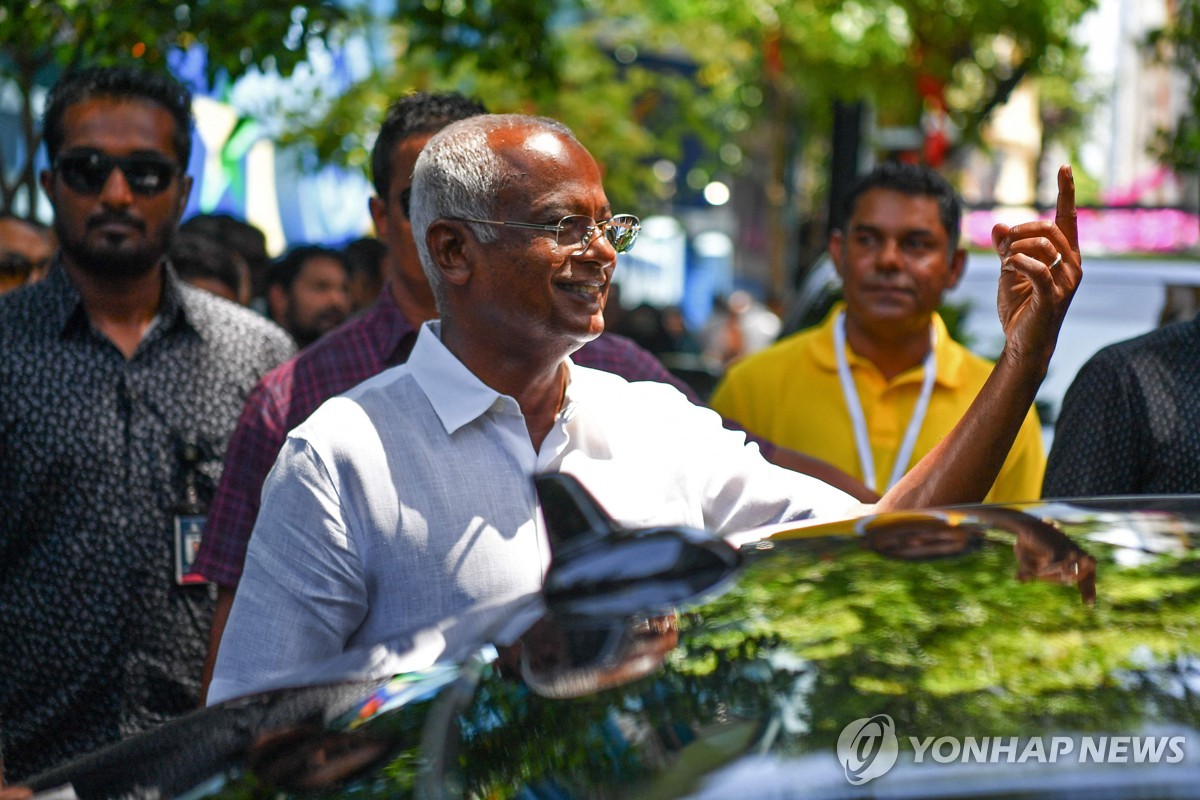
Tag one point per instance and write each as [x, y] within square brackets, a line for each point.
[850, 393]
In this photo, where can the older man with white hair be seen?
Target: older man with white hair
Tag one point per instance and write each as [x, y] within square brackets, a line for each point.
[410, 497]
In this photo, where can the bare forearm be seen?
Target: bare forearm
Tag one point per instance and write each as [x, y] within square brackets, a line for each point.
[821, 470]
[964, 465]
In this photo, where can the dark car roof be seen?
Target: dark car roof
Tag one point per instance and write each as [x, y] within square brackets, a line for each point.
[1063, 622]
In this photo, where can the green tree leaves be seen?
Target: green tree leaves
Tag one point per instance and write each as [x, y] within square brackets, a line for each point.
[40, 39]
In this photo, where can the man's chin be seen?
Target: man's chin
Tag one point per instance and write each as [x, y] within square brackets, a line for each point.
[595, 328]
[324, 325]
[578, 338]
[113, 263]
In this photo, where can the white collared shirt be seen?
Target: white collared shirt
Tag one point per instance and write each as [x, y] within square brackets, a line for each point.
[411, 496]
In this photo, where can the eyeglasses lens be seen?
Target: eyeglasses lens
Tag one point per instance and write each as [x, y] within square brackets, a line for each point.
[15, 265]
[621, 231]
[88, 172]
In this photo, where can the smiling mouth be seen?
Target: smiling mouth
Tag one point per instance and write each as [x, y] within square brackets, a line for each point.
[589, 290]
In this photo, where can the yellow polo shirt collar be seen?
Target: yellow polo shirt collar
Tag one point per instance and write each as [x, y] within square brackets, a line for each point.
[949, 358]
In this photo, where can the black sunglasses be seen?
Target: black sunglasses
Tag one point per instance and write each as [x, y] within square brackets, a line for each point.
[17, 265]
[88, 172]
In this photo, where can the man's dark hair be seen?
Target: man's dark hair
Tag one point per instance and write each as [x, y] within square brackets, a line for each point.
[247, 240]
[916, 180]
[288, 267]
[196, 256]
[122, 83]
[366, 255]
[421, 112]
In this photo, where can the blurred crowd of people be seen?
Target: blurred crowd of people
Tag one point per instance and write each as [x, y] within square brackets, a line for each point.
[308, 290]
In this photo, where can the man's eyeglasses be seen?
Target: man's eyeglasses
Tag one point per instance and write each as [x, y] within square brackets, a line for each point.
[146, 174]
[621, 230]
[16, 265]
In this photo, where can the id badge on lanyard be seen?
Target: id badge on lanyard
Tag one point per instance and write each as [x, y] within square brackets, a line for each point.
[189, 530]
[190, 516]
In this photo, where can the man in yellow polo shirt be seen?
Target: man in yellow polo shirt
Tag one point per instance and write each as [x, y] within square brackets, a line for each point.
[879, 383]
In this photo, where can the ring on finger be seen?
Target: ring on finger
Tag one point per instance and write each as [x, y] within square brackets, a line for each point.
[1057, 260]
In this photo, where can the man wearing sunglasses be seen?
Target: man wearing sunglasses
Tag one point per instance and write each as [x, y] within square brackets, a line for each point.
[25, 250]
[120, 387]
[354, 546]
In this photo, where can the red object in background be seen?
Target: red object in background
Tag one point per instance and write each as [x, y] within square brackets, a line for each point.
[772, 55]
[933, 119]
[937, 143]
[931, 88]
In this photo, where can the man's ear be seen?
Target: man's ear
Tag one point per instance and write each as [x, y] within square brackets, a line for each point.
[448, 242]
[46, 178]
[378, 208]
[277, 302]
[185, 191]
[958, 264]
[836, 251]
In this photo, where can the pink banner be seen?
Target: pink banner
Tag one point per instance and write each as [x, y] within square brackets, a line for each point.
[1102, 230]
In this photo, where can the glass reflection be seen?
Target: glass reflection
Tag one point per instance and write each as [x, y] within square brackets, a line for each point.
[561, 657]
[962, 628]
[1043, 552]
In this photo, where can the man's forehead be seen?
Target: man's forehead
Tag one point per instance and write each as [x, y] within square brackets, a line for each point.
[524, 146]
[545, 162]
[320, 261]
[19, 234]
[406, 150]
[881, 207]
[130, 123]
[12, 227]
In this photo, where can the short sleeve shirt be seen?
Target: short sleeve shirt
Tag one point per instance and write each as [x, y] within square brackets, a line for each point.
[791, 394]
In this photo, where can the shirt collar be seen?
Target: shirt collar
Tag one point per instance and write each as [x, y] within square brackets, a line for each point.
[66, 306]
[456, 394]
[174, 307]
[458, 397]
[63, 297]
[950, 359]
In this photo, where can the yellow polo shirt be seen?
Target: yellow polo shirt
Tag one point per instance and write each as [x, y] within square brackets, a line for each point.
[790, 394]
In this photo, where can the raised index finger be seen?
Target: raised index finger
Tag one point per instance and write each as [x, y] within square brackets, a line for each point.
[1064, 213]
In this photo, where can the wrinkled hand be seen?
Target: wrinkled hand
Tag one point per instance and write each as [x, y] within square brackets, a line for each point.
[1033, 295]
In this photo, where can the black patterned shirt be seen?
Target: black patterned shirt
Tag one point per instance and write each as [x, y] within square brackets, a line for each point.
[97, 640]
[1130, 423]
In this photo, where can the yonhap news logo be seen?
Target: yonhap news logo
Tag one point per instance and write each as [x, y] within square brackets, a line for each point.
[868, 748]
